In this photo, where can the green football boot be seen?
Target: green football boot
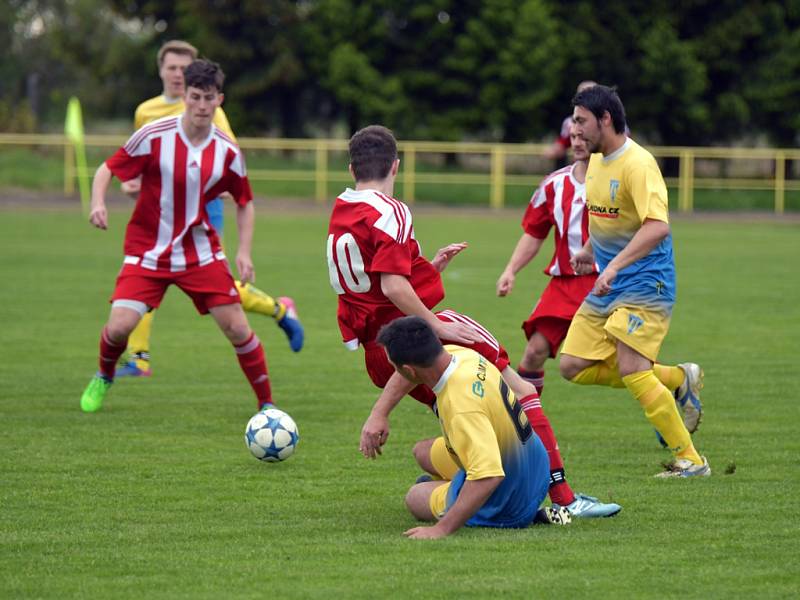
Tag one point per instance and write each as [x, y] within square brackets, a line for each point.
[95, 392]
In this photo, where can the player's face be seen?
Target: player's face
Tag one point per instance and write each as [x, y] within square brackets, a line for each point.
[580, 150]
[201, 104]
[171, 73]
[587, 128]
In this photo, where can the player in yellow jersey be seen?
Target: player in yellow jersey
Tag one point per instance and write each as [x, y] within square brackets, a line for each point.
[617, 332]
[496, 469]
[173, 57]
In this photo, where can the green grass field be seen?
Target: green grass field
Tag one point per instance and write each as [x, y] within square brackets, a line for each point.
[156, 496]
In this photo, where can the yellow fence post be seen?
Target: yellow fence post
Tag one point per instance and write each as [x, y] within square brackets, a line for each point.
[690, 181]
[69, 169]
[498, 176]
[780, 182]
[321, 172]
[409, 175]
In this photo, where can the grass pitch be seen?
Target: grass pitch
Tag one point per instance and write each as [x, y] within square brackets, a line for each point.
[156, 495]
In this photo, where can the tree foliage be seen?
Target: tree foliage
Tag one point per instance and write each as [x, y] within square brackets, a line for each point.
[695, 72]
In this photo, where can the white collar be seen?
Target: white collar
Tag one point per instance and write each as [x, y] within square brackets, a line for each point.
[446, 375]
[618, 152]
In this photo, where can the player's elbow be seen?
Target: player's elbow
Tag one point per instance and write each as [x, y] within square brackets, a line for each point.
[659, 230]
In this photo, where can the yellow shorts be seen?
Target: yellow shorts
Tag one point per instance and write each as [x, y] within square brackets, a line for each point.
[444, 464]
[594, 336]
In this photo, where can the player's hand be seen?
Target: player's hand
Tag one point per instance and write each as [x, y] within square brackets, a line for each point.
[505, 284]
[446, 254]
[582, 262]
[457, 333]
[603, 284]
[98, 216]
[424, 533]
[374, 434]
[132, 187]
[244, 264]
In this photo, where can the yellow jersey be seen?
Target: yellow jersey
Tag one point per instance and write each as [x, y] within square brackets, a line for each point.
[161, 106]
[487, 434]
[622, 190]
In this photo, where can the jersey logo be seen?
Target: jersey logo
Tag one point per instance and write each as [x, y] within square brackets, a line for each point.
[613, 189]
[659, 287]
[194, 165]
[477, 389]
[634, 322]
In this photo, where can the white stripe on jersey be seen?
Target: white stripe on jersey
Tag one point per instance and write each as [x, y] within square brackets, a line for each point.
[395, 216]
[167, 204]
[558, 216]
[465, 320]
[575, 229]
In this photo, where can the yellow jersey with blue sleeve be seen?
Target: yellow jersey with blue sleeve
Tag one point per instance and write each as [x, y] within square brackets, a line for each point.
[161, 106]
[622, 190]
[487, 434]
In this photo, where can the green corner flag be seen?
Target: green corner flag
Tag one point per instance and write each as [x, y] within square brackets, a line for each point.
[73, 129]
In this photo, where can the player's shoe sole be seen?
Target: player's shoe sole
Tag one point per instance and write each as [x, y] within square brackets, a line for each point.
[290, 323]
[687, 396]
[134, 368]
[95, 393]
[552, 515]
[683, 468]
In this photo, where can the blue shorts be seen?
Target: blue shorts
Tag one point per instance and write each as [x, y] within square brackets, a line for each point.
[216, 215]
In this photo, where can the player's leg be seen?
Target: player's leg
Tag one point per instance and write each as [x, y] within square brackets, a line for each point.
[588, 352]
[433, 457]
[427, 500]
[639, 335]
[531, 365]
[282, 309]
[124, 316]
[250, 353]
[137, 363]
[685, 381]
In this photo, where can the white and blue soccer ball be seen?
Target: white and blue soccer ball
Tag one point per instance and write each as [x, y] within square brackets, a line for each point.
[271, 435]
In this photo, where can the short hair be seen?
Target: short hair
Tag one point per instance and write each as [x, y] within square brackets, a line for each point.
[204, 74]
[176, 47]
[410, 341]
[601, 99]
[372, 152]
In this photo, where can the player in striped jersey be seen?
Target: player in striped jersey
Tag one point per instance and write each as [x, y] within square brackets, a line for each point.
[559, 203]
[185, 162]
[379, 273]
[173, 57]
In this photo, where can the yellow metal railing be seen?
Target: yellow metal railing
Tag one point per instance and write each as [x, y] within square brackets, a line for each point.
[496, 162]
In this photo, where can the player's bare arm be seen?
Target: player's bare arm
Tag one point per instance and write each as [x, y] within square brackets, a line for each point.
[472, 496]
[650, 234]
[132, 188]
[98, 214]
[582, 261]
[245, 220]
[398, 289]
[375, 431]
[525, 251]
[446, 254]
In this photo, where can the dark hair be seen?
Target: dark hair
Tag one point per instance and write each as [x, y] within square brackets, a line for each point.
[204, 75]
[372, 152]
[410, 341]
[600, 99]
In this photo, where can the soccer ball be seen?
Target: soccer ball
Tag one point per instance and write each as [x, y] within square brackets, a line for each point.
[271, 435]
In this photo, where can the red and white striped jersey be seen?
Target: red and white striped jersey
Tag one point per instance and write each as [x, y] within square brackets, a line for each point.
[169, 228]
[369, 234]
[559, 201]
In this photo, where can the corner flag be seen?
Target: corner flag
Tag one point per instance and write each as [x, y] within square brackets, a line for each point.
[73, 129]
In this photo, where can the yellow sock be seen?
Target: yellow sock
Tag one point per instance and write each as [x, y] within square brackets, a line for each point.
[659, 408]
[671, 377]
[139, 339]
[254, 300]
[600, 373]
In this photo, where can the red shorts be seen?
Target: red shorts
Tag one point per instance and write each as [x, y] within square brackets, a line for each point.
[554, 311]
[208, 286]
[380, 369]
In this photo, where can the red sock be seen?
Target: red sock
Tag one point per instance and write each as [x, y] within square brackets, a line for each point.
[109, 354]
[560, 492]
[254, 365]
[536, 378]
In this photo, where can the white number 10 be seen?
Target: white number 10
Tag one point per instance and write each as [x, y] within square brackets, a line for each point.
[349, 263]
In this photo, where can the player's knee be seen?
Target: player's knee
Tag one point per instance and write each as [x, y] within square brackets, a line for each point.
[569, 367]
[418, 502]
[422, 452]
